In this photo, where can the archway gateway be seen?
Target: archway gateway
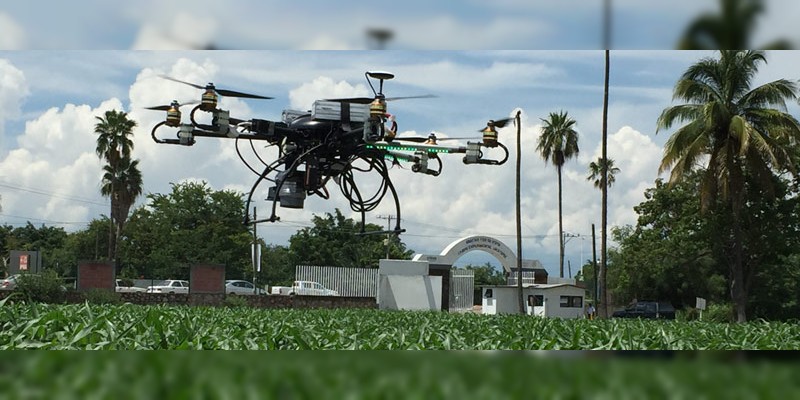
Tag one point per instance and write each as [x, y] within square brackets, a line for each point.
[441, 264]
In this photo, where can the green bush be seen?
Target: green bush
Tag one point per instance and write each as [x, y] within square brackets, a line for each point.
[719, 313]
[687, 314]
[235, 301]
[43, 288]
[102, 296]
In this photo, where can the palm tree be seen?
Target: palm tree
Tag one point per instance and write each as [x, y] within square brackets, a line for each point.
[730, 29]
[123, 185]
[122, 180]
[558, 142]
[738, 132]
[596, 172]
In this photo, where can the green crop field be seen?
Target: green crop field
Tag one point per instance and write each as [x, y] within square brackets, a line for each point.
[377, 375]
[134, 327]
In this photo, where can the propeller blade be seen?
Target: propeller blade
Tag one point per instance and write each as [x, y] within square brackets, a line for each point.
[183, 82]
[502, 122]
[497, 123]
[424, 96]
[222, 92]
[367, 100]
[159, 108]
[166, 107]
[356, 100]
[419, 139]
[415, 139]
[231, 93]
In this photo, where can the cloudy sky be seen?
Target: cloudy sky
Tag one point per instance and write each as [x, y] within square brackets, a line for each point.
[319, 24]
[50, 175]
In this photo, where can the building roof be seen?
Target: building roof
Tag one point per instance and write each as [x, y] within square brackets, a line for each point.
[543, 286]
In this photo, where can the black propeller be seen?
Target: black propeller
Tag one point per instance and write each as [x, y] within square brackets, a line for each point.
[368, 100]
[431, 139]
[221, 92]
[166, 107]
[500, 123]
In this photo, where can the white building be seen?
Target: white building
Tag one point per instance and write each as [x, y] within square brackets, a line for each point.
[559, 300]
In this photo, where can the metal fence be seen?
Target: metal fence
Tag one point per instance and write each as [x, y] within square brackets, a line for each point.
[527, 278]
[462, 289]
[354, 282]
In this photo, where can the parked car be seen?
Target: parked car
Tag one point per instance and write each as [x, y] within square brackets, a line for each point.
[647, 309]
[9, 283]
[241, 287]
[310, 288]
[169, 286]
[126, 286]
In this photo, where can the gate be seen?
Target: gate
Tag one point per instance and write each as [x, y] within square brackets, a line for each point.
[462, 284]
[350, 282]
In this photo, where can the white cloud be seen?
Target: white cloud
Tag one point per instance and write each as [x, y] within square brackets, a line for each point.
[13, 90]
[12, 36]
[323, 87]
[56, 154]
[183, 31]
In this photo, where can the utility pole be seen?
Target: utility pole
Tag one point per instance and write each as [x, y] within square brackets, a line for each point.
[255, 251]
[594, 260]
[388, 239]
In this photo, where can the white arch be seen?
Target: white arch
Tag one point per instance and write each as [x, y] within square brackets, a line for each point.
[462, 246]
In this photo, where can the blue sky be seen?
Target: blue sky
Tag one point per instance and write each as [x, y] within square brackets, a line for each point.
[318, 24]
[50, 174]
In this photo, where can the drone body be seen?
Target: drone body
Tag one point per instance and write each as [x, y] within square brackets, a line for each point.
[332, 141]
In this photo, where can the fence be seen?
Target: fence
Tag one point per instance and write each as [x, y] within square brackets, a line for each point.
[527, 278]
[352, 282]
[462, 289]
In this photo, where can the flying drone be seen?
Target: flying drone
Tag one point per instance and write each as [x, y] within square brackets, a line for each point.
[330, 142]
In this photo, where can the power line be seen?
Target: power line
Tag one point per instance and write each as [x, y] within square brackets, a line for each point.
[43, 192]
[42, 220]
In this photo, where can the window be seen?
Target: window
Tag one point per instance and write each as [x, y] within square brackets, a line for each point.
[488, 294]
[571, 302]
[535, 300]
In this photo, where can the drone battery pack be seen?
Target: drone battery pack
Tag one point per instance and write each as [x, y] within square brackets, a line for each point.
[332, 111]
[290, 115]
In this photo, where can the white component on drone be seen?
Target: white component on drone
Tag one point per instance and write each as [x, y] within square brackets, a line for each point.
[185, 134]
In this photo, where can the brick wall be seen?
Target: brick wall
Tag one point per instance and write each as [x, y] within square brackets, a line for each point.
[95, 275]
[218, 299]
[207, 278]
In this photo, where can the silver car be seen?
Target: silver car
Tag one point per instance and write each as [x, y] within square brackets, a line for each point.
[241, 287]
[169, 286]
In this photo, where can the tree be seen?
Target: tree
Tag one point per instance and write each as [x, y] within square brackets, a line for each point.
[729, 30]
[191, 224]
[558, 143]
[736, 131]
[669, 254]
[487, 274]
[122, 180]
[334, 241]
[596, 172]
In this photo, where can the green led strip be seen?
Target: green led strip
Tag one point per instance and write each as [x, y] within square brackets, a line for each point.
[405, 148]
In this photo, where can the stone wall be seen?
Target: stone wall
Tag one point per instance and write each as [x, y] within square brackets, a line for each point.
[218, 299]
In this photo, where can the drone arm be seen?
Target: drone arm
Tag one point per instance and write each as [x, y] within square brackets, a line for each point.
[474, 155]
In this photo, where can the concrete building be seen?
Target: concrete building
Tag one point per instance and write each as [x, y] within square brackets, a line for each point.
[555, 300]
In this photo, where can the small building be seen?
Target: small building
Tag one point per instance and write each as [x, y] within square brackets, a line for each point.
[559, 300]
